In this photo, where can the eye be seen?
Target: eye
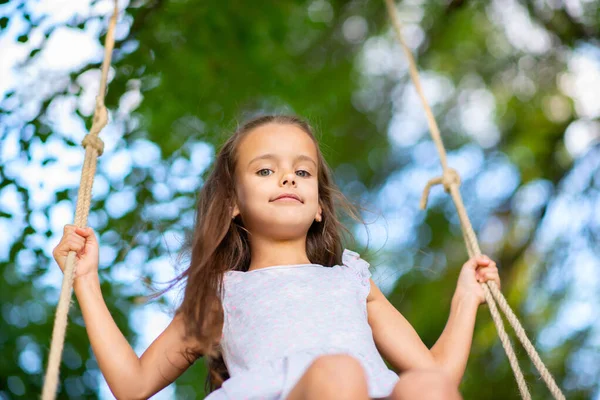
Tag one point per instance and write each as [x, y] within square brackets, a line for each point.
[302, 173]
[264, 172]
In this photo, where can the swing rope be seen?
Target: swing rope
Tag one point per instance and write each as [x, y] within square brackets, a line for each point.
[94, 147]
[450, 179]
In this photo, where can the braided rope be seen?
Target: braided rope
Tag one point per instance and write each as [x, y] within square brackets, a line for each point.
[451, 182]
[94, 147]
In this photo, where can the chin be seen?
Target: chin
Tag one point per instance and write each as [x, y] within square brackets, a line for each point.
[284, 229]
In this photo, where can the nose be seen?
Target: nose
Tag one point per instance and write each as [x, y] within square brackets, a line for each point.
[288, 179]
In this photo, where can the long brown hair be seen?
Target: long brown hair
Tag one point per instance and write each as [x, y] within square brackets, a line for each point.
[219, 244]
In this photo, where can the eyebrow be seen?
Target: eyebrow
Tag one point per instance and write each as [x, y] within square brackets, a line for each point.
[273, 156]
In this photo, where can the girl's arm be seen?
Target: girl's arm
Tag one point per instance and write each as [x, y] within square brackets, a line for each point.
[396, 339]
[452, 349]
[128, 376]
[454, 345]
[402, 347]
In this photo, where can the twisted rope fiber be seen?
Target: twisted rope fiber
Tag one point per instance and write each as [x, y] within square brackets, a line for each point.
[451, 182]
[94, 147]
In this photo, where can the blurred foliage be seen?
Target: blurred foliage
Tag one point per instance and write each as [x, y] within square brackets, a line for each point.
[199, 67]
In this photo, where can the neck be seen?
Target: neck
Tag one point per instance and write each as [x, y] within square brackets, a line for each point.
[267, 252]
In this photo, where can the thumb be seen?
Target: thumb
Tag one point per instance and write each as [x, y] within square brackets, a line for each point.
[477, 261]
[88, 234]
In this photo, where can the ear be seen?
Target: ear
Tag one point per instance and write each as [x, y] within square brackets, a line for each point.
[319, 215]
[235, 212]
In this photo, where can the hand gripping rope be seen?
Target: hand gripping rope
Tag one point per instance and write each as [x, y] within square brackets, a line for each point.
[451, 182]
[93, 148]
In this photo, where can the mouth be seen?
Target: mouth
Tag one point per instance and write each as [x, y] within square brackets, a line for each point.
[288, 197]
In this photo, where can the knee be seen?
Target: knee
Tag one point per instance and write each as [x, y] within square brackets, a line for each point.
[425, 384]
[339, 372]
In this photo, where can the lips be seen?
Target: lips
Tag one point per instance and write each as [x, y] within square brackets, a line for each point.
[290, 196]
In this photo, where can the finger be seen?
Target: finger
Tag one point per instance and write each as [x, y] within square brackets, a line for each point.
[74, 248]
[75, 244]
[475, 262]
[88, 234]
[482, 260]
[65, 246]
[491, 267]
[483, 272]
[489, 276]
[74, 238]
[492, 277]
[85, 232]
[69, 228]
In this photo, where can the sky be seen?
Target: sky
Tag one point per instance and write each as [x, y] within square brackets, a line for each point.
[68, 49]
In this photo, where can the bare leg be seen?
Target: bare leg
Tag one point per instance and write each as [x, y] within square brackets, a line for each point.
[336, 376]
[425, 385]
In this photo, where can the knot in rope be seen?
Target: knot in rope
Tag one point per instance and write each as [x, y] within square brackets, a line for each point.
[95, 142]
[449, 177]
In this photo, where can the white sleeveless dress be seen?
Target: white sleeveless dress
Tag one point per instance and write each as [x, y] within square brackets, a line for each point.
[279, 319]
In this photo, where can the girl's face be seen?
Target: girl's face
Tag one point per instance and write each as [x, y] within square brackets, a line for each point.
[276, 181]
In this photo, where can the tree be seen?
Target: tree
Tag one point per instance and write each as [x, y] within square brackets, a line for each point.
[184, 73]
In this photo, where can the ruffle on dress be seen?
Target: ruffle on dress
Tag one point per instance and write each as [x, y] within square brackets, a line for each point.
[360, 268]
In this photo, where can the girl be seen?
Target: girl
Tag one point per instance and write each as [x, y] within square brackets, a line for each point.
[274, 302]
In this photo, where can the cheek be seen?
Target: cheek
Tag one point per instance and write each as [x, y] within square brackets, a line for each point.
[250, 193]
[311, 195]
[313, 189]
[242, 195]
